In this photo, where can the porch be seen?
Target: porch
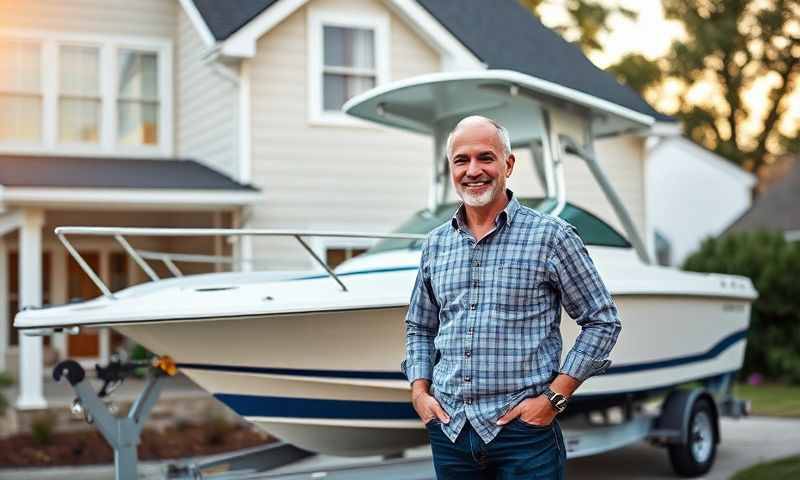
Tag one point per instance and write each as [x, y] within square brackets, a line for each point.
[38, 194]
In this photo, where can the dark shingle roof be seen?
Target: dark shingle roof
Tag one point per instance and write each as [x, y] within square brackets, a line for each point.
[501, 33]
[95, 172]
[505, 35]
[778, 208]
[224, 18]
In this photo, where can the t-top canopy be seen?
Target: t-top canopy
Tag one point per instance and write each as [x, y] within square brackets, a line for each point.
[432, 104]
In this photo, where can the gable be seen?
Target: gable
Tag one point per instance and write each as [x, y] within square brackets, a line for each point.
[501, 34]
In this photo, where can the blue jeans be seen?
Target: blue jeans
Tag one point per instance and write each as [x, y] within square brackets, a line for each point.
[519, 451]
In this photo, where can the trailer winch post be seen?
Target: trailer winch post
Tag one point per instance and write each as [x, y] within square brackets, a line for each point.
[122, 433]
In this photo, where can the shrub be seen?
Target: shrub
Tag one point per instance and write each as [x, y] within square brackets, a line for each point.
[5, 381]
[772, 264]
[42, 429]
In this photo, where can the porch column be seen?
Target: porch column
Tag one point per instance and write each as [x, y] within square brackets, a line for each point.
[58, 295]
[30, 294]
[4, 320]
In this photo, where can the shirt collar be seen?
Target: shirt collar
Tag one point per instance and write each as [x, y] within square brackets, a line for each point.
[507, 215]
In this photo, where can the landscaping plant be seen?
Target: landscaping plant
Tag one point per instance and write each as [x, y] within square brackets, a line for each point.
[772, 263]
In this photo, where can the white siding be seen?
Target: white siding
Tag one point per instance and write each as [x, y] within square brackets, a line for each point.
[206, 105]
[327, 177]
[113, 17]
[693, 194]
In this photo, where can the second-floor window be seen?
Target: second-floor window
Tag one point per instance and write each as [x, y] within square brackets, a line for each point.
[137, 101]
[79, 99]
[20, 91]
[348, 54]
[75, 93]
[348, 64]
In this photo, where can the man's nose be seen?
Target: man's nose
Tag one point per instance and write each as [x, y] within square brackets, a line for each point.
[474, 168]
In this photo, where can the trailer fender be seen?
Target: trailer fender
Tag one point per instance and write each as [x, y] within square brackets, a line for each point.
[672, 426]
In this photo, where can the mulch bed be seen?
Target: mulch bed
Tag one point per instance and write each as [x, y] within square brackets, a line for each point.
[88, 448]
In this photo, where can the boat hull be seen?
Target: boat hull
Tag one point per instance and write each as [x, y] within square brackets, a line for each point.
[343, 393]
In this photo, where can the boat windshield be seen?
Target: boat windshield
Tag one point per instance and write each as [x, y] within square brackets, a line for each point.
[591, 229]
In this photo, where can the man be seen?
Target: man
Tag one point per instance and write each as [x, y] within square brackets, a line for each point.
[482, 331]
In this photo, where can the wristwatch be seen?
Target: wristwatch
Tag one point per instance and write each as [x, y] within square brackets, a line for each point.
[558, 401]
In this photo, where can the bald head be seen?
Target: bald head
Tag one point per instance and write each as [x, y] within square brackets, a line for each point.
[478, 122]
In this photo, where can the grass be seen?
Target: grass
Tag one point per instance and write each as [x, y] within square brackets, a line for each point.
[783, 469]
[773, 400]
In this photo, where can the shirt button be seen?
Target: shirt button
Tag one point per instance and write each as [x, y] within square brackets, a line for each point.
[467, 379]
[470, 331]
[468, 401]
[468, 353]
[476, 263]
[473, 306]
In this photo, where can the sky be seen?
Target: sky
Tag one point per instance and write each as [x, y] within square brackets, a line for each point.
[650, 34]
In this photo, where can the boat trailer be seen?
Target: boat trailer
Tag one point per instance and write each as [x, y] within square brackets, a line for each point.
[686, 423]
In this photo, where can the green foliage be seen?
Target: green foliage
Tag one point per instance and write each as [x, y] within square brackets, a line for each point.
[783, 469]
[637, 71]
[772, 264]
[42, 429]
[5, 380]
[731, 44]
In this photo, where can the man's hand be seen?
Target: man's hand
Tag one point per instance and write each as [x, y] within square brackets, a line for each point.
[426, 406]
[535, 411]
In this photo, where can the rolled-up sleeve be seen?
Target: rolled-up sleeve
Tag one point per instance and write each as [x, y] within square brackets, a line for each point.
[587, 300]
[422, 325]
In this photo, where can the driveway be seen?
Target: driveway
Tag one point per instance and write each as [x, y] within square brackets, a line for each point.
[744, 442]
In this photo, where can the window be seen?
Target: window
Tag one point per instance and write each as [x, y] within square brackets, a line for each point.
[348, 64]
[348, 55]
[85, 94]
[79, 95]
[336, 256]
[137, 99]
[20, 91]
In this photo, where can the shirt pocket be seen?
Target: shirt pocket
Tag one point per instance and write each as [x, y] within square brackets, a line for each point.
[518, 289]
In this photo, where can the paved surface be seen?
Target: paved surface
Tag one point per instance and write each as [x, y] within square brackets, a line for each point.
[745, 442]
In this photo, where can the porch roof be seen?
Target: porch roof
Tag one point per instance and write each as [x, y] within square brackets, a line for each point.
[68, 180]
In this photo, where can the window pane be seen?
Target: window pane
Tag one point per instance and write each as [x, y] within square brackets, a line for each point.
[349, 47]
[20, 67]
[138, 75]
[138, 122]
[337, 89]
[79, 71]
[20, 117]
[79, 120]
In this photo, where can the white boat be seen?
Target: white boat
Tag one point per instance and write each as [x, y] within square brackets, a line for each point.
[314, 359]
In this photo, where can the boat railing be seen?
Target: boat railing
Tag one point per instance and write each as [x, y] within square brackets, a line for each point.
[169, 259]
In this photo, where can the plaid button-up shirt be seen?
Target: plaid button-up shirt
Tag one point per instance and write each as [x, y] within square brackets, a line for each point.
[484, 318]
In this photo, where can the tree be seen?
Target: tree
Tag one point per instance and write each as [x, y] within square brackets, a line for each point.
[587, 20]
[729, 46]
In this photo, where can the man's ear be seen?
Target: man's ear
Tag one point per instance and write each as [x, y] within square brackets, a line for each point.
[510, 164]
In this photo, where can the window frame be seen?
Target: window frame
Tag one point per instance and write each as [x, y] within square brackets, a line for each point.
[317, 20]
[109, 47]
[41, 94]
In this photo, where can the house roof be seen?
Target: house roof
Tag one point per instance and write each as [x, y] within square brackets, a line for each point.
[699, 153]
[225, 18]
[100, 172]
[502, 34]
[778, 208]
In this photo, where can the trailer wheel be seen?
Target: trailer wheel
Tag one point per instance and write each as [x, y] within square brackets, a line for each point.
[696, 456]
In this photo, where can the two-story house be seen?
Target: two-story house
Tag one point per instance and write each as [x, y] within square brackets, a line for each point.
[205, 113]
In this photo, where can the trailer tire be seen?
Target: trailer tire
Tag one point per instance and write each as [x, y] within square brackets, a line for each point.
[696, 456]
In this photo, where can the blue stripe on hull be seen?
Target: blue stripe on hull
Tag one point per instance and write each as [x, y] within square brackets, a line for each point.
[715, 351]
[258, 406]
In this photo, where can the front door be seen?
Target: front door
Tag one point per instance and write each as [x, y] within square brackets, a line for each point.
[80, 287]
